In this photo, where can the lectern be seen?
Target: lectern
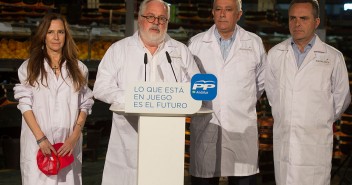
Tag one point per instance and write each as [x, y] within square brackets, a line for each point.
[162, 108]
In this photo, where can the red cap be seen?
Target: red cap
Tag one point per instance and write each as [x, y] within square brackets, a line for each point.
[51, 165]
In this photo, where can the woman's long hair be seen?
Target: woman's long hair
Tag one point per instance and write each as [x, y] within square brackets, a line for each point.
[38, 53]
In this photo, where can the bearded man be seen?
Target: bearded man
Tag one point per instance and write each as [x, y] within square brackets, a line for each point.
[141, 57]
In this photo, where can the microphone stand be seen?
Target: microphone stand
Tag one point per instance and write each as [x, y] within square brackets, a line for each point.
[169, 60]
[145, 66]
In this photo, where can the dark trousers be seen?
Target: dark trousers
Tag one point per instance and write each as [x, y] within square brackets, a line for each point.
[232, 180]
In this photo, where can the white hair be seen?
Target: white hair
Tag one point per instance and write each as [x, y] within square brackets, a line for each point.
[143, 6]
[238, 3]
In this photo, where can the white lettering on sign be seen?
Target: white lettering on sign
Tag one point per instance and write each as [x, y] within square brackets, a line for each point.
[203, 85]
[147, 97]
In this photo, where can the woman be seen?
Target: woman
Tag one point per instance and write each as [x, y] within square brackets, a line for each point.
[54, 100]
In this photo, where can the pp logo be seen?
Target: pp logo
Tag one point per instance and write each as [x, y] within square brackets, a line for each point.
[204, 87]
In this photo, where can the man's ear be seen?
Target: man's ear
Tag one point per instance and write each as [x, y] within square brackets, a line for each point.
[317, 22]
[239, 15]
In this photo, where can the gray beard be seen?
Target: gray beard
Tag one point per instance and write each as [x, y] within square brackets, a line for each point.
[153, 39]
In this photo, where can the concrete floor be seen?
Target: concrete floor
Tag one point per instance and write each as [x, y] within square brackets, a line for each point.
[92, 170]
[92, 174]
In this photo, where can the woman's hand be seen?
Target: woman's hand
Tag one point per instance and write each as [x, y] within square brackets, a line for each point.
[46, 147]
[69, 145]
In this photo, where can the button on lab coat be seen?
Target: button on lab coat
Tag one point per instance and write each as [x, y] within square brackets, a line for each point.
[305, 102]
[123, 64]
[225, 143]
[56, 110]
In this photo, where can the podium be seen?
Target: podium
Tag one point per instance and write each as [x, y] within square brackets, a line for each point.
[161, 129]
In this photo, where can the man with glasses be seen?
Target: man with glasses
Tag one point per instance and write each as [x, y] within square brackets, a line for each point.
[225, 143]
[141, 57]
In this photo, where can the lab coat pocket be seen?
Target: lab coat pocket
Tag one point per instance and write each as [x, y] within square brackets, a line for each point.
[202, 131]
[127, 124]
[28, 153]
[77, 151]
[319, 77]
[310, 154]
[244, 70]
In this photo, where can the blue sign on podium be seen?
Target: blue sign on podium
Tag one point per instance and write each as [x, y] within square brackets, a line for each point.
[204, 87]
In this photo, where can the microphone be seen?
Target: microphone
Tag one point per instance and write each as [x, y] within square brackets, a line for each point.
[145, 66]
[169, 60]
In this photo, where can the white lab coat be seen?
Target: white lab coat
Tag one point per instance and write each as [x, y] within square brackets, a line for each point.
[305, 103]
[225, 143]
[56, 110]
[123, 64]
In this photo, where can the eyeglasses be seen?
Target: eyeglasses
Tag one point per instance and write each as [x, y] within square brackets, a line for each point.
[151, 19]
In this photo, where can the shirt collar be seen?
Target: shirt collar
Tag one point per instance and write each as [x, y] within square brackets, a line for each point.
[218, 36]
[309, 45]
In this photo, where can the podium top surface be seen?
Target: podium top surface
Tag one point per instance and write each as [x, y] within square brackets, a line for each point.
[120, 109]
